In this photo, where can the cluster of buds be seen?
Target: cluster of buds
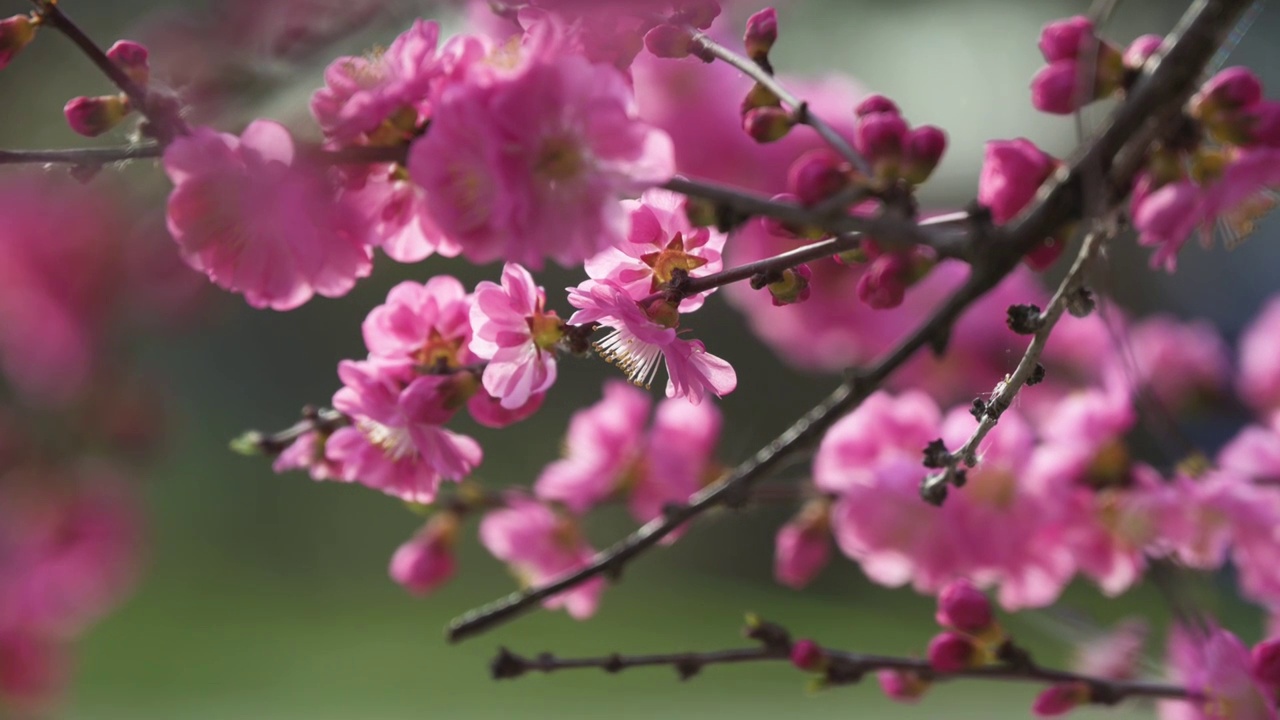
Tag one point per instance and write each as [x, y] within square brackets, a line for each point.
[1083, 67]
[93, 116]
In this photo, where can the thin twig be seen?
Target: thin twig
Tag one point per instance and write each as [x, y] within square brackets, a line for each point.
[165, 123]
[1170, 83]
[799, 108]
[839, 667]
[1005, 391]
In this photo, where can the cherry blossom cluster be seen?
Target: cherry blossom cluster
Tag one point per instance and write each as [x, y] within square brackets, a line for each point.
[630, 141]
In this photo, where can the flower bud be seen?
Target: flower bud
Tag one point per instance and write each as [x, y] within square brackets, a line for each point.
[1141, 50]
[1060, 699]
[880, 137]
[1263, 124]
[663, 312]
[807, 655]
[902, 685]
[761, 34]
[817, 175]
[767, 124]
[15, 33]
[93, 116]
[132, 58]
[791, 289]
[803, 546]
[1055, 88]
[426, 561]
[875, 104]
[1231, 89]
[884, 284]
[964, 608]
[1012, 173]
[669, 41]
[1064, 39]
[951, 652]
[1266, 662]
[924, 148]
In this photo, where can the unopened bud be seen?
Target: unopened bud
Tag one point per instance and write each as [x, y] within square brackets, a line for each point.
[964, 608]
[15, 33]
[132, 58]
[951, 652]
[1141, 50]
[669, 41]
[662, 312]
[93, 116]
[902, 685]
[762, 33]
[875, 104]
[1231, 89]
[880, 136]
[924, 148]
[426, 561]
[1065, 39]
[817, 175]
[807, 655]
[1060, 699]
[767, 124]
[793, 287]
[1266, 662]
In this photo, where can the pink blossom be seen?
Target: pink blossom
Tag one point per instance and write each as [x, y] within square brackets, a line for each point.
[602, 446]
[998, 530]
[533, 166]
[902, 685]
[1166, 217]
[1258, 382]
[1056, 88]
[395, 442]
[364, 95]
[511, 329]
[660, 241]
[802, 547]
[678, 457]
[257, 221]
[1065, 39]
[1181, 364]
[541, 545]
[394, 214]
[426, 323]
[1235, 509]
[951, 652]
[489, 412]
[425, 561]
[1060, 699]
[66, 559]
[1012, 173]
[1116, 654]
[1216, 663]
[964, 608]
[307, 453]
[639, 341]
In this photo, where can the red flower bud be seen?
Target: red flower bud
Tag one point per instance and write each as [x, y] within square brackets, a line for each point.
[132, 58]
[807, 655]
[875, 104]
[15, 33]
[92, 116]
[924, 148]
[761, 34]
[817, 175]
[766, 124]
[1064, 39]
[964, 608]
[951, 652]
[1060, 699]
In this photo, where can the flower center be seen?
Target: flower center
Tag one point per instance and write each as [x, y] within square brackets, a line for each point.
[559, 159]
[546, 330]
[669, 259]
[439, 352]
[395, 443]
[636, 358]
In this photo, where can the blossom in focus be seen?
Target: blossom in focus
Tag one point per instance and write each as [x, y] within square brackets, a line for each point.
[512, 330]
[428, 324]
[534, 166]
[641, 337]
[393, 212]
[660, 242]
[396, 442]
[540, 545]
[257, 220]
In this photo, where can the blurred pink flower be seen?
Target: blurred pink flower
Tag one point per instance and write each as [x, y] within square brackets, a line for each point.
[541, 545]
[534, 166]
[1181, 363]
[1216, 663]
[425, 562]
[1258, 381]
[247, 213]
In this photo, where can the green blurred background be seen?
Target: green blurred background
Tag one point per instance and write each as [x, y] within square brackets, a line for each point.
[267, 596]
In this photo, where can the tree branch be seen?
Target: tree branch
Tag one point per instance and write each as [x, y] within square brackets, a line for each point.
[1167, 86]
[839, 667]
[799, 108]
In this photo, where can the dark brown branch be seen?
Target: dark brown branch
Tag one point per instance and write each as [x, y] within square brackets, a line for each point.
[324, 420]
[1162, 91]
[839, 667]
